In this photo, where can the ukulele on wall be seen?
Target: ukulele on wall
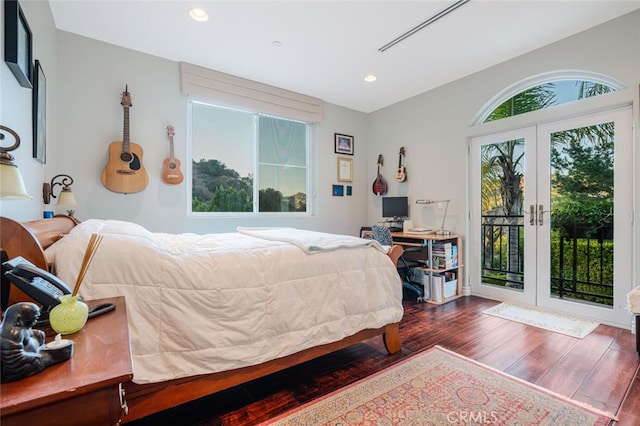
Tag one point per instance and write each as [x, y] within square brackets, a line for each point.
[379, 185]
[401, 172]
[124, 171]
[171, 174]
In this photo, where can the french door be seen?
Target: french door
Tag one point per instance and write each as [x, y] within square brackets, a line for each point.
[551, 216]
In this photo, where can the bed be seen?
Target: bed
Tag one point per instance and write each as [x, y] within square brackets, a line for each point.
[288, 311]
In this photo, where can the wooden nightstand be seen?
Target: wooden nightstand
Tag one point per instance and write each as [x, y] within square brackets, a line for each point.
[83, 390]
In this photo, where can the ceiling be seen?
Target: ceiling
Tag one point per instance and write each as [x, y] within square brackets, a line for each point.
[326, 48]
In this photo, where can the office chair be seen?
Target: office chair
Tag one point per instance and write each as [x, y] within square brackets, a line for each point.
[412, 289]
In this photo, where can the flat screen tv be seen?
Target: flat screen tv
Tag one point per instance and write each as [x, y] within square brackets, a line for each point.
[395, 207]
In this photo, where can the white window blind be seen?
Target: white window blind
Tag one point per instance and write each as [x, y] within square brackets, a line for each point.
[239, 92]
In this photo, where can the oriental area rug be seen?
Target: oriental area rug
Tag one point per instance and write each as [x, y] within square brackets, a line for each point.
[540, 318]
[440, 387]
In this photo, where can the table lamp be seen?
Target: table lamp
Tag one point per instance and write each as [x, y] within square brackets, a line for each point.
[441, 231]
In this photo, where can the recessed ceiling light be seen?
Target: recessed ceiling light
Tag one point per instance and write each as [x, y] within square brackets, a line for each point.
[198, 15]
[277, 43]
[370, 78]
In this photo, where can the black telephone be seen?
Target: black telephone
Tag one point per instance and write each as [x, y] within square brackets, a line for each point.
[43, 287]
[40, 285]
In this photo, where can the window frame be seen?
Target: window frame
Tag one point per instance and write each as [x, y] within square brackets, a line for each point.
[309, 182]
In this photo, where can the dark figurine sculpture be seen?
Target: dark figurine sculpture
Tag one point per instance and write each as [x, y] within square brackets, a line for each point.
[22, 348]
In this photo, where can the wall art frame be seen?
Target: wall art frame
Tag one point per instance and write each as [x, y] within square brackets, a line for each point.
[39, 113]
[343, 144]
[337, 190]
[366, 232]
[345, 169]
[18, 43]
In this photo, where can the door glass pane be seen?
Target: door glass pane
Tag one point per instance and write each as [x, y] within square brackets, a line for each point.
[582, 214]
[502, 224]
[548, 95]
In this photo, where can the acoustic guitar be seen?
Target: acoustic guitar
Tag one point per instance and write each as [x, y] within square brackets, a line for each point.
[401, 172]
[124, 172]
[171, 174]
[379, 185]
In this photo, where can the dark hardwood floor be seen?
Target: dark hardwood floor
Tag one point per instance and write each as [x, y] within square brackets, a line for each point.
[600, 370]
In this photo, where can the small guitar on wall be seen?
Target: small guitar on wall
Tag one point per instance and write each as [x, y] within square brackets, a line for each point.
[379, 185]
[124, 172]
[171, 174]
[401, 172]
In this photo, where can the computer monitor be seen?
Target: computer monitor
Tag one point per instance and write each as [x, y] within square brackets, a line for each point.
[395, 207]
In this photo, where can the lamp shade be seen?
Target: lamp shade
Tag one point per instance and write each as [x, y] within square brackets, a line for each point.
[66, 198]
[11, 183]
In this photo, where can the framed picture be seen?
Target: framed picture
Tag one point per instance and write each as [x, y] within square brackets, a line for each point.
[338, 190]
[39, 114]
[343, 144]
[345, 169]
[349, 190]
[17, 43]
[366, 233]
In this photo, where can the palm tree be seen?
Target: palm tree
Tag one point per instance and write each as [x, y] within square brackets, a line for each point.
[503, 163]
[502, 166]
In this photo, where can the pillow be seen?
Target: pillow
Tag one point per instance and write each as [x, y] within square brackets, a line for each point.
[116, 228]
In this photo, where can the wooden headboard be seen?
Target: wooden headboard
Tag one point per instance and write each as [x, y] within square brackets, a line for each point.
[29, 240]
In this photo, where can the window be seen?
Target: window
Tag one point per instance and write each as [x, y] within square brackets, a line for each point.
[547, 95]
[245, 162]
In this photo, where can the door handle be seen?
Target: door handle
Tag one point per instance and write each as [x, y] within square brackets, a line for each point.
[532, 215]
[541, 212]
[540, 215]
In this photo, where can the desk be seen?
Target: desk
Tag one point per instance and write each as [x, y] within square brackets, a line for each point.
[441, 268]
[86, 388]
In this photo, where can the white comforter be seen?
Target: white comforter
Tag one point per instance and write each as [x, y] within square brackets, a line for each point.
[198, 304]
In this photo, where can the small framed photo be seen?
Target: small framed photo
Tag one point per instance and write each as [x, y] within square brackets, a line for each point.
[345, 169]
[366, 233]
[349, 190]
[338, 190]
[18, 44]
[39, 114]
[343, 144]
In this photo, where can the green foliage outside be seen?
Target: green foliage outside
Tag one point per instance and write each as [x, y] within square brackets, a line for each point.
[582, 200]
[217, 188]
[594, 265]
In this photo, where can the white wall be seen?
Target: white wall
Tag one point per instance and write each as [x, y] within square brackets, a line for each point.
[92, 77]
[15, 109]
[435, 127]
[85, 81]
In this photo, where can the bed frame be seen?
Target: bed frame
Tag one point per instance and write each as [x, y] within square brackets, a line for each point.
[29, 239]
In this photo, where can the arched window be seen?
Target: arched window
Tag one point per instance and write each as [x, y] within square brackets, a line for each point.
[546, 91]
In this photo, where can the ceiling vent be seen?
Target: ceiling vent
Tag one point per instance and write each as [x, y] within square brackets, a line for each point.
[429, 21]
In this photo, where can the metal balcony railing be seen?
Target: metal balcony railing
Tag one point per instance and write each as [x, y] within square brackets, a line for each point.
[581, 263]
